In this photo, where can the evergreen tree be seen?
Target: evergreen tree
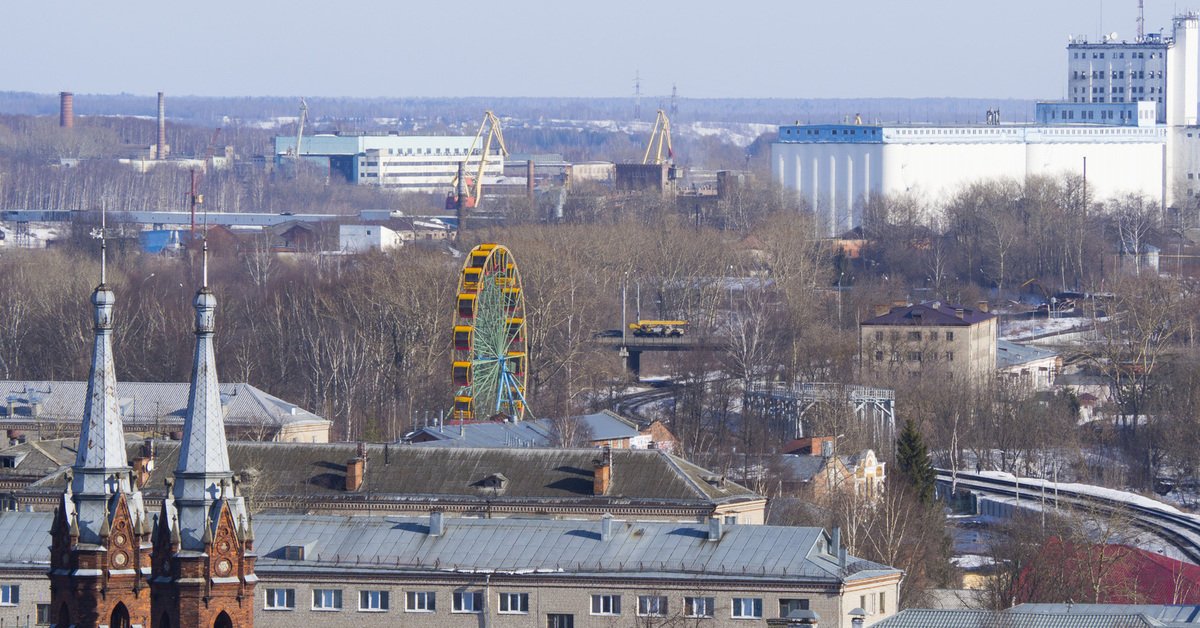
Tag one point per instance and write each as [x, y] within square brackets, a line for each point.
[912, 458]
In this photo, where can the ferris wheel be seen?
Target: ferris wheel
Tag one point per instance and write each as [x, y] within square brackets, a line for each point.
[490, 339]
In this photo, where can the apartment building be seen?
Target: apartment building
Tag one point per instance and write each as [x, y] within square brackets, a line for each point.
[932, 337]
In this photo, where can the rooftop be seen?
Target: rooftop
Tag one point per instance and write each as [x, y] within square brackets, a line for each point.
[144, 405]
[514, 546]
[1010, 354]
[923, 618]
[601, 426]
[405, 473]
[932, 314]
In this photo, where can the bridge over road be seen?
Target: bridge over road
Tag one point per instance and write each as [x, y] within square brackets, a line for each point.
[631, 347]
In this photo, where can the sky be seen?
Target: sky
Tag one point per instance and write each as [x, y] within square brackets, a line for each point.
[562, 48]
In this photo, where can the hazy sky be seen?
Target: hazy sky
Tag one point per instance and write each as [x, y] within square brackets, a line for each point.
[710, 48]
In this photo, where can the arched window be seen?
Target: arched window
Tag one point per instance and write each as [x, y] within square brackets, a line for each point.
[165, 622]
[120, 617]
[223, 621]
[64, 616]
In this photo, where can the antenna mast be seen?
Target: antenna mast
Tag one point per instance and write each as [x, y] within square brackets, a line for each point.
[674, 100]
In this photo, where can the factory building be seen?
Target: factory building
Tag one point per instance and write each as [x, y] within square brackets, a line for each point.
[407, 163]
[1131, 116]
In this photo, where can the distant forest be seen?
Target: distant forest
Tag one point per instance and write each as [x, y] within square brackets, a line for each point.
[365, 113]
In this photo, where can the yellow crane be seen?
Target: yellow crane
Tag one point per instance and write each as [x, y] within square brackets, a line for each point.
[662, 131]
[490, 126]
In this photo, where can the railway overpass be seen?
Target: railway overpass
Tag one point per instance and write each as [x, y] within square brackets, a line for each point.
[631, 347]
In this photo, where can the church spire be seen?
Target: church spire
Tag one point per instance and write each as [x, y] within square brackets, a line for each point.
[101, 469]
[203, 456]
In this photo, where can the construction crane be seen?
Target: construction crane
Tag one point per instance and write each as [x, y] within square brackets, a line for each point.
[490, 126]
[662, 131]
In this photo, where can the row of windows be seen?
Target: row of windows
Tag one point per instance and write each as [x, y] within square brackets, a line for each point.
[1100, 99]
[915, 356]
[432, 151]
[1116, 74]
[445, 163]
[518, 603]
[916, 335]
[1115, 55]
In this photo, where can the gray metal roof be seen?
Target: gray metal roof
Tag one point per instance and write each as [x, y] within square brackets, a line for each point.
[1169, 614]
[146, 403]
[650, 549]
[924, 618]
[1010, 354]
[534, 433]
[516, 545]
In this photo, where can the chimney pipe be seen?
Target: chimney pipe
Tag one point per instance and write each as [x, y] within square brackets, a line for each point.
[716, 528]
[881, 309]
[529, 180]
[354, 474]
[602, 471]
[161, 148]
[437, 523]
[836, 539]
[958, 311]
[606, 527]
[66, 110]
[983, 307]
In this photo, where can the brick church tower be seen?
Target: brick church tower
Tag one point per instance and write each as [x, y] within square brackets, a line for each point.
[99, 548]
[202, 574]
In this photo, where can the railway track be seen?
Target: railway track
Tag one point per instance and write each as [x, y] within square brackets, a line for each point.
[1181, 531]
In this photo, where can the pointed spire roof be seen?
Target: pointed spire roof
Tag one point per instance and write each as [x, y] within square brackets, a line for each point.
[203, 466]
[101, 469]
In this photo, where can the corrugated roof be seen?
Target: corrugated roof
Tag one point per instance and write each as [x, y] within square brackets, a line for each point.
[922, 618]
[931, 313]
[402, 471]
[534, 433]
[148, 403]
[1169, 614]
[511, 545]
[1009, 354]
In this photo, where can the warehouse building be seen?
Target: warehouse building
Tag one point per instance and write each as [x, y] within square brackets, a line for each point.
[408, 163]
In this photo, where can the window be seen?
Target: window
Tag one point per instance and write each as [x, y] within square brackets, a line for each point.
[43, 614]
[652, 605]
[514, 602]
[879, 335]
[787, 606]
[933, 335]
[327, 600]
[606, 605]
[372, 600]
[468, 602]
[747, 608]
[949, 336]
[882, 602]
[10, 594]
[895, 335]
[949, 356]
[279, 599]
[698, 606]
[914, 356]
[560, 620]
[914, 335]
[420, 602]
[879, 356]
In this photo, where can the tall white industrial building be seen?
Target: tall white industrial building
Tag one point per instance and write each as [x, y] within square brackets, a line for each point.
[1132, 112]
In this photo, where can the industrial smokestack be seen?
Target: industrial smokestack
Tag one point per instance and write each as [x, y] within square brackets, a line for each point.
[460, 203]
[161, 152]
[529, 180]
[66, 113]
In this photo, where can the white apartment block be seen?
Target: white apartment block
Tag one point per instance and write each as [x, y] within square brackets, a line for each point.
[363, 238]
